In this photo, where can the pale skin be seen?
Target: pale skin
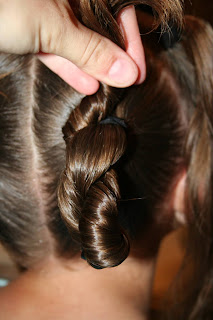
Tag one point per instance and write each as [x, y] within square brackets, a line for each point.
[72, 289]
[78, 55]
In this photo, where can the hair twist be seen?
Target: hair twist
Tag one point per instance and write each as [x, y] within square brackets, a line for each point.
[88, 190]
[104, 243]
[88, 193]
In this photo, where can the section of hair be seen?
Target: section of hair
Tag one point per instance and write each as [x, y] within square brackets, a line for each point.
[197, 41]
[93, 191]
[35, 105]
[86, 169]
[32, 157]
[16, 220]
[103, 13]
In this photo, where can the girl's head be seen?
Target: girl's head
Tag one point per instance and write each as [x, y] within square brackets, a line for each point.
[115, 183]
[106, 188]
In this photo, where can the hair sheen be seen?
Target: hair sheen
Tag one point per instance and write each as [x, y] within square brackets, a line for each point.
[97, 169]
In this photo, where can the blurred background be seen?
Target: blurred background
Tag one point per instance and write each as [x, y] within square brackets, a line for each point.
[171, 252]
[200, 8]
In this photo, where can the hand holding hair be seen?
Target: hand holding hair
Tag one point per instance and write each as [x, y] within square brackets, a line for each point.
[77, 54]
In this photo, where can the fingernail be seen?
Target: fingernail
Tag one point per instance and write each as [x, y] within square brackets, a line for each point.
[122, 72]
[141, 77]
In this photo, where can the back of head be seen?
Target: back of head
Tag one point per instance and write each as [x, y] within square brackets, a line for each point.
[35, 105]
[118, 178]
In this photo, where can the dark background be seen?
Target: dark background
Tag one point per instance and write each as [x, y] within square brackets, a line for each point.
[200, 8]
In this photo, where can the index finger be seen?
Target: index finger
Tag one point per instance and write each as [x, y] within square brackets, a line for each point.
[127, 21]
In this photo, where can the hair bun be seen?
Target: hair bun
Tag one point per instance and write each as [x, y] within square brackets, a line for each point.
[88, 193]
[104, 243]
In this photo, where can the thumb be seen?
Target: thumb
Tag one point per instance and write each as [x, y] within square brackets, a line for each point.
[92, 53]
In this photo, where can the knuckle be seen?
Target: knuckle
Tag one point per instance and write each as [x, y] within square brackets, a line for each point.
[52, 31]
[51, 41]
[92, 51]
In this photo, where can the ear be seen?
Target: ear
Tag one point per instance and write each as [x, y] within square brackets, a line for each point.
[178, 202]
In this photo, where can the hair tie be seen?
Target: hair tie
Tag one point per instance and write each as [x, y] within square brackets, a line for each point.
[114, 120]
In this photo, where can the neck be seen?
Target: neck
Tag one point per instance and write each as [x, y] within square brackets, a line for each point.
[74, 290]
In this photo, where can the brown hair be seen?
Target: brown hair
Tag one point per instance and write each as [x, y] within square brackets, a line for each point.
[197, 84]
[169, 123]
[88, 191]
[35, 105]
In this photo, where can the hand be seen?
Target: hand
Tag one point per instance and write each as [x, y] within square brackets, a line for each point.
[73, 51]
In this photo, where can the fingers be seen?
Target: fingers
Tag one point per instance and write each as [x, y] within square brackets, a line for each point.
[127, 21]
[92, 56]
[54, 29]
[101, 58]
[70, 73]
[88, 50]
